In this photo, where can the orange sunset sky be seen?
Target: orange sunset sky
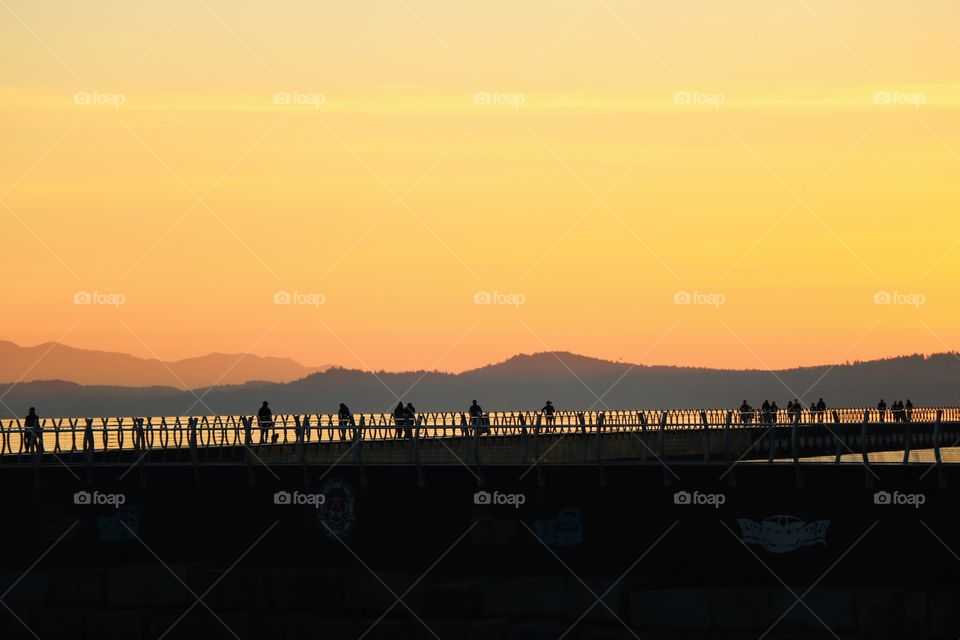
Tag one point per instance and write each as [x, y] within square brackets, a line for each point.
[173, 170]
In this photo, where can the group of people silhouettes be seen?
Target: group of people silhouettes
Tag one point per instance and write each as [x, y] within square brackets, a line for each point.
[900, 411]
[769, 412]
[404, 420]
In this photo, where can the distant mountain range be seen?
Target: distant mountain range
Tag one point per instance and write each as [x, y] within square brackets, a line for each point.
[55, 361]
[523, 382]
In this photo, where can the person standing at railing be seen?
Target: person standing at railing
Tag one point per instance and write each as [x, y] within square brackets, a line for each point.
[821, 409]
[746, 413]
[476, 416]
[908, 411]
[345, 419]
[882, 410]
[264, 421]
[548, 416]
[897, 411]
[765, 412]
[410, 419]
[774, 411]
[33, 432]
[797, 412]
[399, 419]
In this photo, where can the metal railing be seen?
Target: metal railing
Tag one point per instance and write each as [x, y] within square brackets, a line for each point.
[65, 436]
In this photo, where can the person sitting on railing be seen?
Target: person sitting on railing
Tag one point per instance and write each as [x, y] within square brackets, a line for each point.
[33, 432]
[908, 411]
[821, 409]
[746, 413]
[882, 410]
[399, 419]
[345, 419]
[264, 421]
[548, 416]
[410, 419]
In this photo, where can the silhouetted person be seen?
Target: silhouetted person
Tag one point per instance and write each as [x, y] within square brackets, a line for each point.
[476, 416]
[410, 419]
[746, 413]
[797, 410]
[774, 409]
[765, 412]
[548, 416]
[821, 409]
[399, 419]
[908, 411]
[882, 410]
[264, 421]
[33, 431]
[897, 411]
[345, 419]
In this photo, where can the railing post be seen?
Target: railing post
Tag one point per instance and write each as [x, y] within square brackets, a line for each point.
[416, 449]
[772, 438]
[907, 442]
[357, 454]
[643, 437]
[582, 421]
[192, 441]
[88, 447]
[794, 437]
[476, 442]
[941, 478]
[247, 423]
[726, 435]
[836, 435]
[936, 436]
[706, 436]
[138, 439]
[526, 438]
[663, 429]
[865, 447]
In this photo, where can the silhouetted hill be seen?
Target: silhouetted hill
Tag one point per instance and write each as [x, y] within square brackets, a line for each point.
[54, 361]
[522, 382]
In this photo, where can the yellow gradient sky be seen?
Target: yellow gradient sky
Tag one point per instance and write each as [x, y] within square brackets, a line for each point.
[589, 160]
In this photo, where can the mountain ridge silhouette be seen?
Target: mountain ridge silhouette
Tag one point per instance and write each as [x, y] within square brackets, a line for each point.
[522, 382]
